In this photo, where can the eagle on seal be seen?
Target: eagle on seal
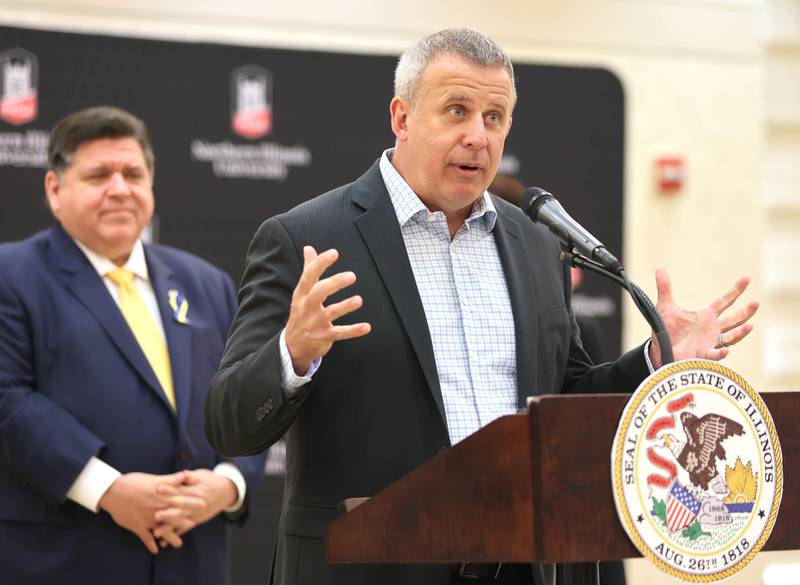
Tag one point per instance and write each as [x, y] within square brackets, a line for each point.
[703, 446]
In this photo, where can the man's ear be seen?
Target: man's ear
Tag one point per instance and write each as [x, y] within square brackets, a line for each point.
[52, 189]
[399, 110]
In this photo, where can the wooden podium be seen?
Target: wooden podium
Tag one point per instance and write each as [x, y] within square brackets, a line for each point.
[527, 487]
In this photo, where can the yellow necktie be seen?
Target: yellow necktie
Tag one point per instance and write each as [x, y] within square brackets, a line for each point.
[144, 328]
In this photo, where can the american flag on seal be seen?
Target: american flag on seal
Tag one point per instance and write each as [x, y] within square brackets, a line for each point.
[682, 507]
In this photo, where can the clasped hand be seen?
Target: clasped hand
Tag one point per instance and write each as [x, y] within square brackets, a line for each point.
[160, 508]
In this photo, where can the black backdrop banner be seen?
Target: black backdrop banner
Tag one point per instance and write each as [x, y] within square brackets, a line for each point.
[243, 133]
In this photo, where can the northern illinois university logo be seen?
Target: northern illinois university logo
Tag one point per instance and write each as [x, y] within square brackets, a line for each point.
[18, 86]
[696, 471]
[251, 102]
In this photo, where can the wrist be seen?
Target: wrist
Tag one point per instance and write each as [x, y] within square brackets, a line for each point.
[301, 366]
[228, 469]
[655, 353]
[229, 493]
[109, 497]
[300, 363]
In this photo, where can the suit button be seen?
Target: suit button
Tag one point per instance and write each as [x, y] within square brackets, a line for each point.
[263, 410]
[184, 454]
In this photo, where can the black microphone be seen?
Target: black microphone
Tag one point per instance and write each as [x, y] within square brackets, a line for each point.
[543, 208]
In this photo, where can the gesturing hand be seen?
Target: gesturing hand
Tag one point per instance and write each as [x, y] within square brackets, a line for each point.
[310, 331]
[705, 333]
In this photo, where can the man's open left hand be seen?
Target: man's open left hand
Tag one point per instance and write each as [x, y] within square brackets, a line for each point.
[707, 333]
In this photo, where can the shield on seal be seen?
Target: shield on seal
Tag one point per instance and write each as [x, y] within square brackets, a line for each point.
[682, 507]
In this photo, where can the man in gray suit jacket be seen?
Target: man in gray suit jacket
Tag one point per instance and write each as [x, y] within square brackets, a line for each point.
[455, 306]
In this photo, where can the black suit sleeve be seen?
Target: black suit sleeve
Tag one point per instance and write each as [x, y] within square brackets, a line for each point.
[246, 410]
[252, 467]
[621, 376]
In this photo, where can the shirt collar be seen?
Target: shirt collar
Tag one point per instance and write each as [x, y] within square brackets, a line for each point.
[136, 261]
[407, 204]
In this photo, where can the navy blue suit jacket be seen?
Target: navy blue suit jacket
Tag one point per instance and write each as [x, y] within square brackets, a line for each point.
[74, 383]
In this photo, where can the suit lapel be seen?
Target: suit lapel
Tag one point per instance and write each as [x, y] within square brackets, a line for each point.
[521, 286]
[179, 335]
[381, 232]
[80, 277]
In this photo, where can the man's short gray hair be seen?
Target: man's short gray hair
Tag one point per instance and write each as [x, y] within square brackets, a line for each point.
[463, 42]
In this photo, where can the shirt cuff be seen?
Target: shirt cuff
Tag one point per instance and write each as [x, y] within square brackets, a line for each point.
[290, 380]
[647, 356]
[92, 483]
[229, 470]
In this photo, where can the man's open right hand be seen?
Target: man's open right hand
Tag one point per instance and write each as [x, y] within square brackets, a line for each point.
[310, 331]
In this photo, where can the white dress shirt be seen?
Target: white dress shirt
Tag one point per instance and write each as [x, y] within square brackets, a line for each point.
[463, 290]
[467, 308]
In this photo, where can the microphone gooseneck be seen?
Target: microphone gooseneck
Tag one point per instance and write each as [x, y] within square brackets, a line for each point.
[583, 250]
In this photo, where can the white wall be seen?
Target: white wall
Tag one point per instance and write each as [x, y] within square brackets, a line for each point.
[782, 191]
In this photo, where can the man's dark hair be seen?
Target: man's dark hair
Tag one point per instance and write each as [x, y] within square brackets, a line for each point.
[92, 124]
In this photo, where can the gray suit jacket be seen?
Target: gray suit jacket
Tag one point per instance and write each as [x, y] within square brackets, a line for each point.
[373, 411]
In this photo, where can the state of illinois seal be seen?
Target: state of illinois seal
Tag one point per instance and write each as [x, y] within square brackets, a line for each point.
[696, 471]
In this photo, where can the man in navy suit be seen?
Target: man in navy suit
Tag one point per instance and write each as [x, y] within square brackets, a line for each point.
[105, 474]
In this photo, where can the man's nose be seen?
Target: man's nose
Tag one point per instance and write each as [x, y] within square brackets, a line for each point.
[118, 185]
[475, 133]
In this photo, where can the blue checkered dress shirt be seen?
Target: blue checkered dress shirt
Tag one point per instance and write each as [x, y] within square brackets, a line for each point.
[465, 297]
